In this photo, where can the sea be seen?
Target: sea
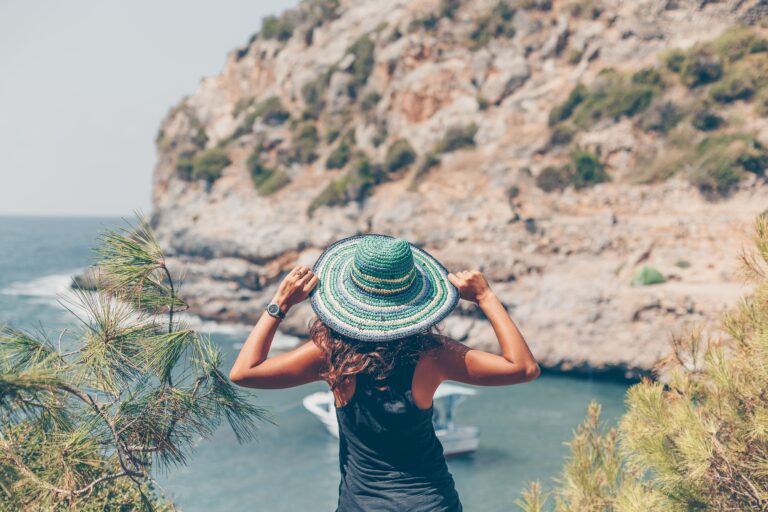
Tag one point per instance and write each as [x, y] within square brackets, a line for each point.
[294, 464]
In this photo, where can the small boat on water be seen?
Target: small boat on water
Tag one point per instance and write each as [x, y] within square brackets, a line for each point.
[455, 438]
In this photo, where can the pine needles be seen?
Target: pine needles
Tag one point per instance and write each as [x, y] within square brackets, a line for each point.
[698, 441]
[135, 391]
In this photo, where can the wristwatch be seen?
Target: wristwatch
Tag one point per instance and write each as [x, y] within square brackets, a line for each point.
[274, 310]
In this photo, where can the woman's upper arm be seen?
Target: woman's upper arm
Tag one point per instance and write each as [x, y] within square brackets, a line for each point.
[460, 363]
[294, 368]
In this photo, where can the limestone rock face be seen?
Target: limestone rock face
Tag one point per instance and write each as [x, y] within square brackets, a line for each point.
[368, 73]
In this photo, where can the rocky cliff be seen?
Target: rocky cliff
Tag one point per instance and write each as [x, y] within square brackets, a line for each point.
[599, 160]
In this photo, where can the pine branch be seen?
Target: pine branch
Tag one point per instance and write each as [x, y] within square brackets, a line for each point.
[137, 390]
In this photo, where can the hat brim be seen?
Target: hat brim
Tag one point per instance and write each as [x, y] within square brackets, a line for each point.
[349, 310]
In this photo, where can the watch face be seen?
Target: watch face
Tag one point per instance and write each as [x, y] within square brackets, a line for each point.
[273, 308]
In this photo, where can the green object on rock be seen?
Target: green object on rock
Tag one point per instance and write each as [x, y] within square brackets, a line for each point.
[647, 276]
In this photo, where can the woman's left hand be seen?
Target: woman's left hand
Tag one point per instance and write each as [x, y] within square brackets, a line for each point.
[295, 287]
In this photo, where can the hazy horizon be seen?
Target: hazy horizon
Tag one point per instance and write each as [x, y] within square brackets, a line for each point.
[85, 87]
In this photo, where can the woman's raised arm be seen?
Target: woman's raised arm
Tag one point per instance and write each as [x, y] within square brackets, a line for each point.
[301, 365]
[462, 364]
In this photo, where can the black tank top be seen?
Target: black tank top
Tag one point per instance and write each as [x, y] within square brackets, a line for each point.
[389, 455]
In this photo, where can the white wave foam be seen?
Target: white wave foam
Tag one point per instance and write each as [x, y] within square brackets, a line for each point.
[48, 289]
[45, 286]
[45, 289]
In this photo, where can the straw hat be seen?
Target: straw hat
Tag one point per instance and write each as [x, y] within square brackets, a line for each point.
[378, 288]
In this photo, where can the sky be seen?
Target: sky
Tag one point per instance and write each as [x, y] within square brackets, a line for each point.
[84, 85]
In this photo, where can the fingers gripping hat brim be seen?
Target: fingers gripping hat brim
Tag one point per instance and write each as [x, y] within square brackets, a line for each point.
[343, 306]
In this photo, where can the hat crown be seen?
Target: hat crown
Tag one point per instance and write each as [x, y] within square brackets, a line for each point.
[383, 265]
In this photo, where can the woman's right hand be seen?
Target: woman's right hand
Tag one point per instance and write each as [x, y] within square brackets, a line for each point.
[472, 285]
[295, 287]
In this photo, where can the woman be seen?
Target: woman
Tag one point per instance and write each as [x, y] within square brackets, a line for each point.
[377, 300]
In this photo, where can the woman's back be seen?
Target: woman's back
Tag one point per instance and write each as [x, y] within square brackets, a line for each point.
[389, 455]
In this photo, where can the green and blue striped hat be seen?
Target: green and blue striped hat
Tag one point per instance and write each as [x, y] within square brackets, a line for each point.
[378, 288]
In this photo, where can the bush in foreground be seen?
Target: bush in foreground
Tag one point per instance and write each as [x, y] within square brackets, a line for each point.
[86, 421]
[697, 443]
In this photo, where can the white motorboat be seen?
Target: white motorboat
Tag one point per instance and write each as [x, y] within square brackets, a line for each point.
[455, 438]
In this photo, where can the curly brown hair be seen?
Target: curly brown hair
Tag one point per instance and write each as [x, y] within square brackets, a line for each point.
[345, 356]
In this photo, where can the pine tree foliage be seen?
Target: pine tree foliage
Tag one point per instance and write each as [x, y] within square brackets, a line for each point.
[83, 427]
[698, 441]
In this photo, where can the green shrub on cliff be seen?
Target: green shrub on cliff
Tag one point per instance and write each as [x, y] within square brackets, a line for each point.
[697, 441]
[700, 67]
[562, 134]
[266, 179]
[612, 95]
[553, 178]
[739, 41]
[740, 83]
[271, 111]
[303, 144]
[584, 170]
[277, 180]
[661, 117]
[565, 110]
[313, 93]
[399, 155]
[320, 11]
[723, 159]
[209, 164]
[430, 161]
[498, 22]
[87, 428]
[448, 8]
[715, 164]
[722, 58]
[585, 8]
[370, 101]
[587, 169]
[427, 22]
[355, 185]
[673, 60]
[274, 27]
[340, 156]
[457, 137]
[205, 166]
[705, 119]
[362, 49]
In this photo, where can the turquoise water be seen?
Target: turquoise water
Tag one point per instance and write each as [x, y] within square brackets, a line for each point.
[294, 465]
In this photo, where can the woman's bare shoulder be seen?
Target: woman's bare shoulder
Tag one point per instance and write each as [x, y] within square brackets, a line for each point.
[448, 349]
